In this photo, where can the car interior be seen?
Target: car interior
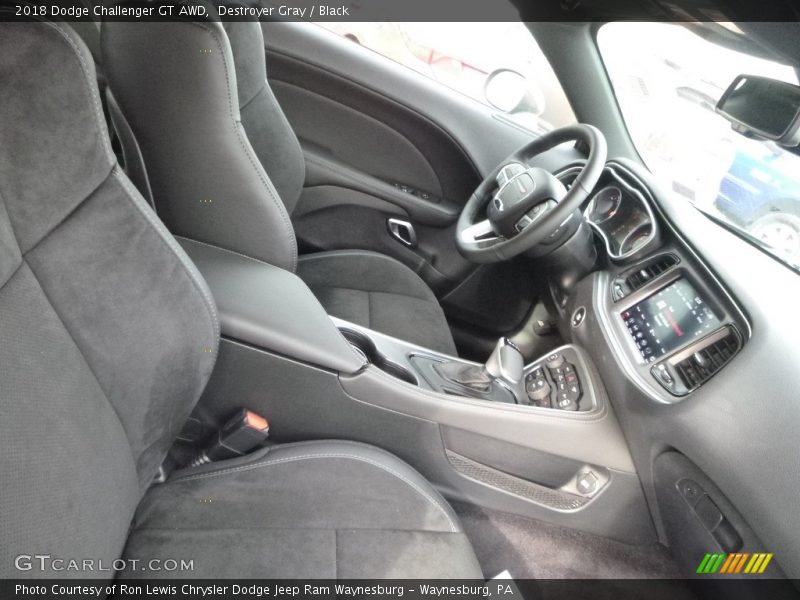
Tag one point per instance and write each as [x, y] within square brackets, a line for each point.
[475, 348]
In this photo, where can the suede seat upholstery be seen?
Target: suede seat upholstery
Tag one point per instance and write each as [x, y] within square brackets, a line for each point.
[306, 510]
[378, 292]
[252, 175]
[109, 335]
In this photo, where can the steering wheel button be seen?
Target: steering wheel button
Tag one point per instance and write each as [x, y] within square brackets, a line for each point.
[523, 222]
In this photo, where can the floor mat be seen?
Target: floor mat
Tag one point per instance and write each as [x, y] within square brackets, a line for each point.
[531, 549]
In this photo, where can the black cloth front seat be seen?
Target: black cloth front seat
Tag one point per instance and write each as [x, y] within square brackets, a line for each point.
[108, 335]
[224, 167]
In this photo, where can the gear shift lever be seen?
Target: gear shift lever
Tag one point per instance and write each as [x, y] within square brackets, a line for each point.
[506, 363]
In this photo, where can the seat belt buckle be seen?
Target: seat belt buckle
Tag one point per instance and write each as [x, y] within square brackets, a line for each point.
[241, 434]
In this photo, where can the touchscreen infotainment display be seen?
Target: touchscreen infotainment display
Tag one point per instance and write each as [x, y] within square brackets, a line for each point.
[668, 320]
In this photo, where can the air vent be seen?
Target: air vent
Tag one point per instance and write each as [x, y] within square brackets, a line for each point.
[699, 367]
[652, 269]
[633, 280]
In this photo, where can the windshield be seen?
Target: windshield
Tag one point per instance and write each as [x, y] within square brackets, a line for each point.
[667, 81]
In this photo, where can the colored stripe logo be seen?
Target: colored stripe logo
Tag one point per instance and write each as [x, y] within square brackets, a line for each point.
[731, 564]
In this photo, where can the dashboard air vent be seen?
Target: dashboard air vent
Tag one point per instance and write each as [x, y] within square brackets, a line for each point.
[703, 364]
[633, 280]
[650, 270]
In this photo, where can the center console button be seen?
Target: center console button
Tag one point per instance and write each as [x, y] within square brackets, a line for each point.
[566, 401]
[574, 392]
[554, 360]
[539, 393]
[537, 384]
[578, 316]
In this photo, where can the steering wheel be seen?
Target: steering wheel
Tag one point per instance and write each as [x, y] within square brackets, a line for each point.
[530, 203]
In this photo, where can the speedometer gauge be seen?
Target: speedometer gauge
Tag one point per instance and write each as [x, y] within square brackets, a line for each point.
[636, 238]
[605, 204]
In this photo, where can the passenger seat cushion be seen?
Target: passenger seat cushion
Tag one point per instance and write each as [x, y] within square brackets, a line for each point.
[311, 509]
[378, 292]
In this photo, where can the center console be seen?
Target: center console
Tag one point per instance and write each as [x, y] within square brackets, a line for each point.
[558, 381]
[538, 439]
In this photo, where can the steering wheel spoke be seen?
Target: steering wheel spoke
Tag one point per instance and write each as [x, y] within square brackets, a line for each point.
[523, 205]
[480, 235]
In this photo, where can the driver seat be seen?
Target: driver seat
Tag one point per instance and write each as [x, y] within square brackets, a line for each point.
[224, 167]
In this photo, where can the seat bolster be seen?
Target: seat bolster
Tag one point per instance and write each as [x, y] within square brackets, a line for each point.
[401, 471]
[308, 509]
[378, 292]
[362, 270]
[341, 470]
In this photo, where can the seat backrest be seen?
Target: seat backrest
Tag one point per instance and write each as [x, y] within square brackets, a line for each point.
[176, 85]
[264, 121]
[108, 333]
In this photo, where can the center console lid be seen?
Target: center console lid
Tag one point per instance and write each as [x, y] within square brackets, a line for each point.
[268, 307]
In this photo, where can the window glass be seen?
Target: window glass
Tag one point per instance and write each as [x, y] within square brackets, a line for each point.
[667, 81]
[481, 60]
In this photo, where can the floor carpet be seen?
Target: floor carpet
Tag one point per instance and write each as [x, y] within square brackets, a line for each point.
[532, 549]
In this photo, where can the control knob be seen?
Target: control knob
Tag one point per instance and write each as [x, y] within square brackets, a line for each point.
[539, 392]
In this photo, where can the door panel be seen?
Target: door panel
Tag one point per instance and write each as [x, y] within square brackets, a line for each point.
[357, 141]
[369, 132]
[382, 141]
[427, 209]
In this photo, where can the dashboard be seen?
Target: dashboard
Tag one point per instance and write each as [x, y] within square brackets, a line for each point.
[671, 324]
[683, 363]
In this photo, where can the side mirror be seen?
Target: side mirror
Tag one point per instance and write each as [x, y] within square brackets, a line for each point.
[764, 108]
[510, 92]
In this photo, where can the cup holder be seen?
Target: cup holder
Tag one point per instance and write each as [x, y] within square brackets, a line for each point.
[365, 346]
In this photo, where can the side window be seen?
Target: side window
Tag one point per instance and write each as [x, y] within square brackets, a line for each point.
[497, 64]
